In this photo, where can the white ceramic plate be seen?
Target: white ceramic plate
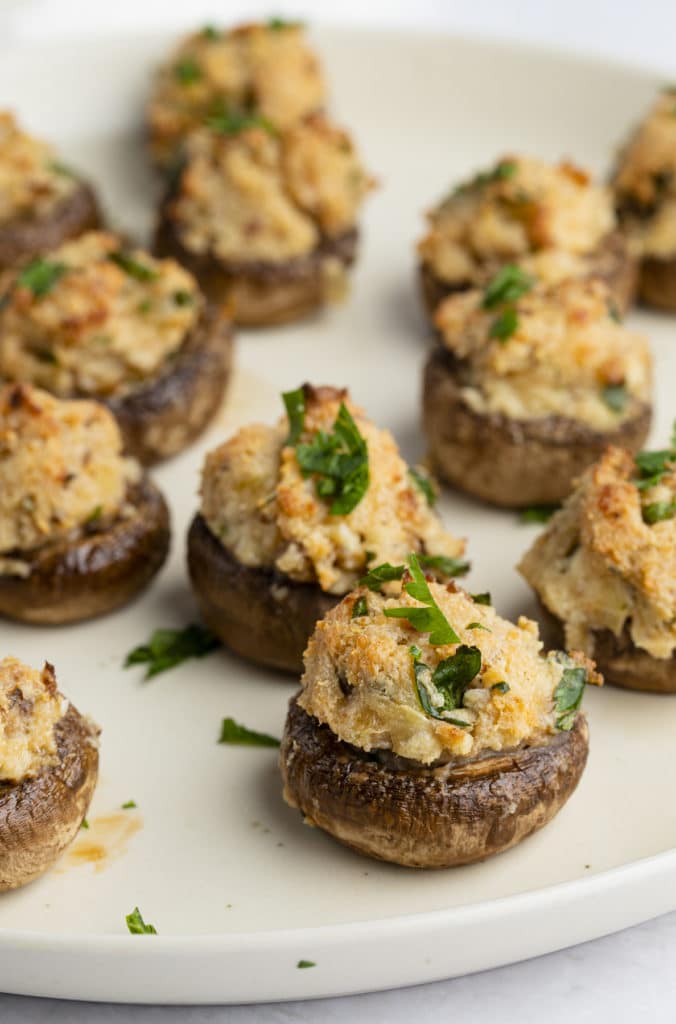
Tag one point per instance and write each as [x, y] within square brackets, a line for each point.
[238, 888]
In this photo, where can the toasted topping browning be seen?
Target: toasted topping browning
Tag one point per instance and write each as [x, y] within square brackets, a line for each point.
[552, 351]
[645, 181]
[269, 513]
[257, 194]
[30, 707]
[380, 684]
[32, 180]
[604, 562]
[94, 318]
[546, 217]
[264, 69]
[61, 468]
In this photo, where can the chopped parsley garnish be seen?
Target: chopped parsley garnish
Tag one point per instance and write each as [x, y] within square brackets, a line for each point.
[137, 925]
[429, 619]
[40, 276]
[614, 312]
[424, 484]
[84, 824]
[360, 608]
[442, 690]
[188, 71]
[615, 397]
[183, 298]
[45, 355]
[170, 647]
[94, 515]
[653, 465]
[484, 598]
[502, 171]
[568, 696]
[231, 122]
[294, 403]
[380, 574]
[504, 325]
[339, 463]
[129, 805]
[538, 513]
[508, 285]
[238, 735]
[56, 167]
[658, 511]
[500, 687]
[478, 625]
[305, 963]
[133, 267]
[444, 565]
[211, 33]
[279, 24]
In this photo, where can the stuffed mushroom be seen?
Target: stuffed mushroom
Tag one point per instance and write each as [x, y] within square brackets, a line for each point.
[42, 201]
[429, 731]
[48, 771]
[605, 568]
[99, 320]
[292, 516]
[264, 69]
[529, 384]
[551, 220]
[82, 529]
[644, 183]
[266, 219]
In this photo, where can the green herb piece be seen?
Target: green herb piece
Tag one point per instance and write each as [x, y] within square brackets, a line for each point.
[84, 824]
[170, 647]
[294, 403]
[444, 565]
[305, 963]
[129, 805]
[501, 172]
[133, 267]
[538, 513]
[568, 697]
[429, 619]
[424, 484]
[614, 312]
[145, 306]
[484, 598]
[232, 122]
[508, 285]
[339, 462]
[94, 515]
[653, 465]
[500, 687]
[188, 71]
[360, 608]
[504, 325]
[137, 925]
[40, 276]
[443, 690]
[238, 735]
[657, 511]
[45, 355]
[56, 167]
[380, 574]
[183, 298]
[615, 397]
[478, 625]
[278, 25]
[211, 33]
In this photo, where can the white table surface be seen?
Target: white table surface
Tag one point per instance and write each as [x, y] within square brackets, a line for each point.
[621, 978]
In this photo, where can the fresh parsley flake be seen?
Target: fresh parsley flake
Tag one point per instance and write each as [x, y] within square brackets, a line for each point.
[444, 565]
[294, 403]
[305, 963]
[84, 824]
[279, 24]
[134, 268]
[360, 607]
[339, 463]
[129, 805]
[538, 513]
[188, 71]
[232, 122]
[238, 735]
[614, 312]
[442, 691]
[183, 298]
[40, 276]
[502, 171]
[568, 696]
[504, 325]
[424, 483]
[484, 598]
[380, 574]
[429, 619]
[653, 465]
[615, 397]
[94, 515]
[508, 285]
[56, 167]
[137, 925]
[210, 33]
[657, 511]
[478, 625]
[500, 687]
[170, 647]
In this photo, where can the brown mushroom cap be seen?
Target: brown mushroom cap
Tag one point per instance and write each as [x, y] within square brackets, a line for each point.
[427, 817]
[40, 816]
[260, 293]
[612, 262]
[657, 282]
[258, 613]
[509, 462]
[163, 416]
[22, 239]
[95, 572]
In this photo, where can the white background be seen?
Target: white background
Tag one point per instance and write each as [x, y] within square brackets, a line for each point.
[621, 978]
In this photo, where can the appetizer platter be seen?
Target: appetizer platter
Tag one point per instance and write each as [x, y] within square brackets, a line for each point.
[321, 525]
